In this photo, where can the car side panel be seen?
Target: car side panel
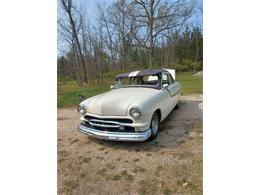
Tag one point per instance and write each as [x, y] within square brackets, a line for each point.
[167, 100]
[163, 101]
[149, 106]
[174, 90]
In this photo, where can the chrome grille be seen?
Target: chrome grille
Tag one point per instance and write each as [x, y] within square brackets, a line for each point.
[118, 120]
[112, 124]
[109, 124]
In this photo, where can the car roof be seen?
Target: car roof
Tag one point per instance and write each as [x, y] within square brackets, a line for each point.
[141, 73]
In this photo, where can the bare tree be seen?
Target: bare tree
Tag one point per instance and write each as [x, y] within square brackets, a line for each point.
[68, 7]
[126, 34]
[115, 27]
[158, 16]
[119, 20]
[66, 36]
[103, 40]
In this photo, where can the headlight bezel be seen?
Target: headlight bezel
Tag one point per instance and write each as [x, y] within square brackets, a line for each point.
[82, 109]
[137, 110]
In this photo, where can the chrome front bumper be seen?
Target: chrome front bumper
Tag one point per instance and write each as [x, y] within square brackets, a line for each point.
[115, 136]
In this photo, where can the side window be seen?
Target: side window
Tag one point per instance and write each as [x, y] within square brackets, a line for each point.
[165, 79]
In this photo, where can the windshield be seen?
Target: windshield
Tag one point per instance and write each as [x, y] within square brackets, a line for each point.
[151, 81]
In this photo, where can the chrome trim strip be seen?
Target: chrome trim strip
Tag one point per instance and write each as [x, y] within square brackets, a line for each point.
[115, 136]
[116, 124]
[108, 116]
[175, 93]
[101, 125]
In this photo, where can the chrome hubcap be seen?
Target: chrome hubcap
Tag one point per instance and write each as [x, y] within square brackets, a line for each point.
[155, 125]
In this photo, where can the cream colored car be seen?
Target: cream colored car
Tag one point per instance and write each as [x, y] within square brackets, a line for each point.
[134, 108]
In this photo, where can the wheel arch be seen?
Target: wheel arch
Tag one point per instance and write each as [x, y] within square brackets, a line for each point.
[158, 111]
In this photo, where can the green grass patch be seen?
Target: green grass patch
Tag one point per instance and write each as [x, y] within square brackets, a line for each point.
[190, 84]
[127, 176]
[68, 91]
[124, 174]
[68, 95]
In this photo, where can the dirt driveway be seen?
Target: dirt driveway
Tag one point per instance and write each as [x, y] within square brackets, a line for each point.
[171, 164]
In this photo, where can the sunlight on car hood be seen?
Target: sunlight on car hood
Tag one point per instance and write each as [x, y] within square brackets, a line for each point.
[117, 102]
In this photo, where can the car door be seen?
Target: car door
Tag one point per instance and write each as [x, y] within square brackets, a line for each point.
[174, 90]
[171, 88]
[167, 90]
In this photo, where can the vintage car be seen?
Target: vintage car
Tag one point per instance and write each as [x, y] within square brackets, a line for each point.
[134, 108]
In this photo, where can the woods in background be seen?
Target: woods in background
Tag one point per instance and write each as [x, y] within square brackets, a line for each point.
[127, 35]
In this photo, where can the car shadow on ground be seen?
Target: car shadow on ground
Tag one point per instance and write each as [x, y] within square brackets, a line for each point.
[174, 130]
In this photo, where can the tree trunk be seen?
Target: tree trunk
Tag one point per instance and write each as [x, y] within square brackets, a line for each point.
[75, 56]
[151, 57]
[77, 42]
[151, 34]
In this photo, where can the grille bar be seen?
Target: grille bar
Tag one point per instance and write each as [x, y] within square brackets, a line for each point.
[112, 124]
[118, 120]
[107, 128]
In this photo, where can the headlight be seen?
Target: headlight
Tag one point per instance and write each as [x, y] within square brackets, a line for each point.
[135, 112]
[82, 109]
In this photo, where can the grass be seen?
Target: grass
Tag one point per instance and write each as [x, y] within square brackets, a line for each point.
[139, 169]
[124, 174]
[198, 125]
[127, 176]
[102, 171]
[190, 84]
[67, 93]
[147, 186]
[75, 140]
[86, 159]
[167, 191]
[157, 170]
[70, 185]
[63, 153]
[116, 177]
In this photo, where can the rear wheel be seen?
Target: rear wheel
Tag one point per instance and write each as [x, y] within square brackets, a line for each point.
[154, 126]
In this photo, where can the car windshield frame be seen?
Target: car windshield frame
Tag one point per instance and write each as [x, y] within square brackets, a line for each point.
[119, 84]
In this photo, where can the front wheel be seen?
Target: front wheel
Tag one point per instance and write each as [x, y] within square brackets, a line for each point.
[154, 126]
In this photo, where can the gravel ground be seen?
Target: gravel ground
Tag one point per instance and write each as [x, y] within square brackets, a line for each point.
[170, 164]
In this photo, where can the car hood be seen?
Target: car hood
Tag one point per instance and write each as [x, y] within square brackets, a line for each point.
[117, 102]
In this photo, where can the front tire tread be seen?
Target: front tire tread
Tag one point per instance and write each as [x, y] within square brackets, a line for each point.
[153, 136]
